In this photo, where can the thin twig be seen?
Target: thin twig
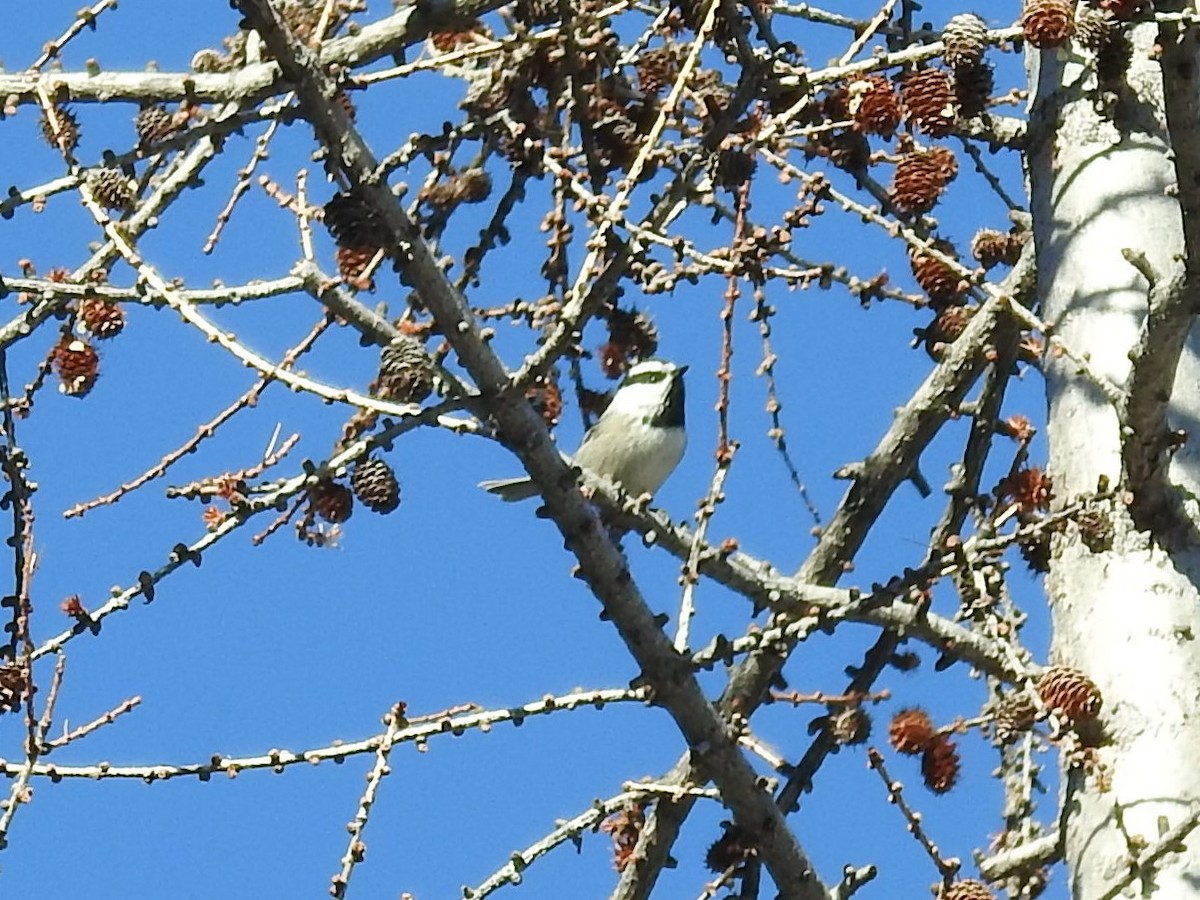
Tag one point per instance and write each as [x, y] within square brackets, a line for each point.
[95, 725]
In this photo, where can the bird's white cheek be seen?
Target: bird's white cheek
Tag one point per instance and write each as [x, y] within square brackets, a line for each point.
[638, 399]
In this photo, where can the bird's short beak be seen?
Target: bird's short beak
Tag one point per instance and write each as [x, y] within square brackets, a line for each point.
[681, 370]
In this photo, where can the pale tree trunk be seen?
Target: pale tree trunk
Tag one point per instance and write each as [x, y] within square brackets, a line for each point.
[1110, 204]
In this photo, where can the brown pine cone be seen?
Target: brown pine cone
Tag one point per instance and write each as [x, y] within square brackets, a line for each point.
[921, 178]
[850, 725]
[14, 686]
[1030, 488]
[66, 136]
[154, 123]
[77, 365]
[929, 101]
[965, 39]
[546, 397]
[993, 248]
[618, 138]
[968, 889]
[945, 329]
[941, 282]
[911, 731]
[875, 105]
[374, 484]
[656, 69]
[103, 320]
[1036, 551]
[625, 827]
[730, 849]
[331, 501]
[631, 336]
[1094, 27]
[1070, 693]
[1014, 715]
[973, 86]
[470, 186]
[1095, 530]
[405, 371]
[1048, 23]
[111, 189]
[940, 764]
[354, 223]
[847, 149]
[352, 262]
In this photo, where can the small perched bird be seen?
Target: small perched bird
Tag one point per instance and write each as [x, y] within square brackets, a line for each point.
[638, 441]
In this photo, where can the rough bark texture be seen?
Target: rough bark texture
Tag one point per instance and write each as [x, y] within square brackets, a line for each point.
[1103, 187]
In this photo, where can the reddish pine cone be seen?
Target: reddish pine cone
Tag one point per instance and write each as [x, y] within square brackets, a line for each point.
[1048, 23]
[939, 280]
[352, 262]
[1030, 488]
[103, 320]
[929, 101]
[154, 123]
[965, 40]
[968, 889]
[921, 178]
[875, 105]
[993, 248]
[111, 189]
[374, 484]
[625, 826]
[77, 365]
[447, 41]
[911, 731]
[546, 397]
[1070, 693]
[331, 501]
[945, 329]
[940, 764]
[66, 136]
[405, 371]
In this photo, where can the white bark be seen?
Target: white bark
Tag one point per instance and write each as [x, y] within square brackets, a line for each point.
[1129, 617]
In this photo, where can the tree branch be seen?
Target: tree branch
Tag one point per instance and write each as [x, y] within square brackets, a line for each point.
[664, 670]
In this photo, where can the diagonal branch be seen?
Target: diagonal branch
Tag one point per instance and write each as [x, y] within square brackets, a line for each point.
[876, 478]
[665, 671]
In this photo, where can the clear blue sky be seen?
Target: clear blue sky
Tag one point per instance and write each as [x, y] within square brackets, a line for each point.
[454, 598]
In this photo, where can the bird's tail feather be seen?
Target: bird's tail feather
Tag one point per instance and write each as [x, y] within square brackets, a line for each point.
[510, 490]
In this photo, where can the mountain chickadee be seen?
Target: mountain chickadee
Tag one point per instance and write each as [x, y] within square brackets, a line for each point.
[638, 441]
